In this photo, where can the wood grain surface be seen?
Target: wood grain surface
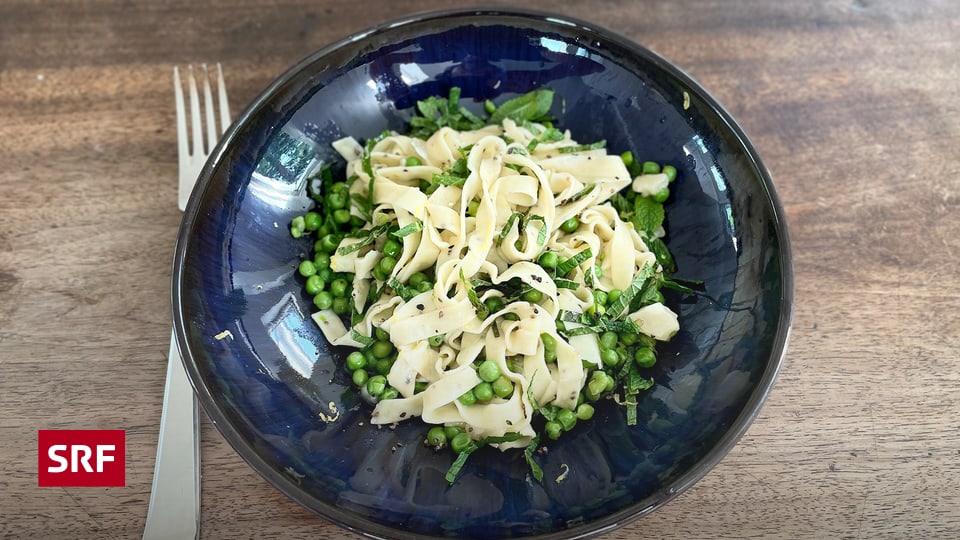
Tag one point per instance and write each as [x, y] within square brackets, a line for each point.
[854, 105]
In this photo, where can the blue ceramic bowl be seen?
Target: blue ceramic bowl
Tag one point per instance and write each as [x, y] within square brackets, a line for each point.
[273, 385]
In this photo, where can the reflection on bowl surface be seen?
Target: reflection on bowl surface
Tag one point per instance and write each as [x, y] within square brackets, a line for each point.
[268, 379]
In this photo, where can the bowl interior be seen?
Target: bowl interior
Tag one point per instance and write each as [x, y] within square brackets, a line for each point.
[266, 376]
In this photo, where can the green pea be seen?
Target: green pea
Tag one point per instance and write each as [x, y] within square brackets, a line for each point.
[436, 437]
[314, 285]
[339, 187]
[627, 158]
[596, 386]
[489, 107]
[567, 419]
[339, 287]
[483, 392]
[380, 333]
[610, 382]
[503, 387]
[489, 371]
[389, 393]
[452, 431]
[306, 268]
[341, 216]
[323, 300]
[549, 355]
[312, 221]
[382, 349]
[493, 304]
[548, 260]
[297, 227]
[608, 340]
[325, 274]
[585, 411]
[416, 279]
[299, 222]
[662, 195]
[356, 223]
[613, 295]
[356, 360]
[596, 310]
[392, 248]
[670, 171]
[378, 274]
[376, 385]
[645, 357]
[387, 264]
[360, 377]
[460, 442]
[383, 365]
[329, 243]
[341, 306]
[628, 338]
[468, 398]
[650, 167]
[472, 208]
[437, 340]
[609, 357]
[570, 225]
[549, 342]
[532, 295]
[318, 247]
[337, 200]
[553, 429]
[321, 260]
[425, 286]
[600, 298]
[412, 161]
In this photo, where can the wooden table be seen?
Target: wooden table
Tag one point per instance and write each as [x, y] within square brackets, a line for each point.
[854, 104]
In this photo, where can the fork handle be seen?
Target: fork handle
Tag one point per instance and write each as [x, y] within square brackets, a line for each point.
[173, 514]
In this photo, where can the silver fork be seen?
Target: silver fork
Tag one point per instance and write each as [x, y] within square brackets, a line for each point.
[174, 510]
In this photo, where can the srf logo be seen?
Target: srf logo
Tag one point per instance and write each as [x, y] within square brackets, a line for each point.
[81, 458]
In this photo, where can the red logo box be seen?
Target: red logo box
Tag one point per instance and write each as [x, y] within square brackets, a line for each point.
[81, 458]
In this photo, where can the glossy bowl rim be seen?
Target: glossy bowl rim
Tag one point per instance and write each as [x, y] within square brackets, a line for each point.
[602, 525]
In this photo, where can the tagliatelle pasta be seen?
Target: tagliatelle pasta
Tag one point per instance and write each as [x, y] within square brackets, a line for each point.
[504, 179]
[492, 281]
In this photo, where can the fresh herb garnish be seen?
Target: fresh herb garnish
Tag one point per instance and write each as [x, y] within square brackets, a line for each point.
[369, 236]
[410, 228]
[479, 306]
[402, 290]
[458, 464]
[623, 301]
[567, 265]
[532, 107]
[436, 112]
[648, 215]
[582, 147]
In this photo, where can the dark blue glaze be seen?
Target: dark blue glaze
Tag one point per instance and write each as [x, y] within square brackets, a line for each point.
[268, 386]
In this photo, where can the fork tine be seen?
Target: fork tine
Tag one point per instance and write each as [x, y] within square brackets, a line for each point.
[196, 128]
[224, 103]
[210, 120]
[181, 117]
